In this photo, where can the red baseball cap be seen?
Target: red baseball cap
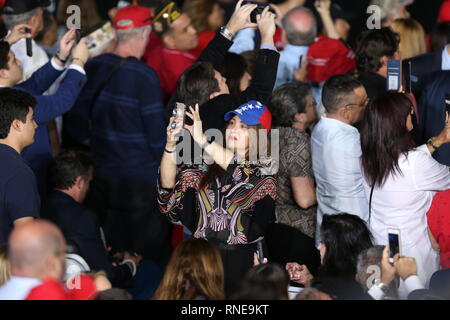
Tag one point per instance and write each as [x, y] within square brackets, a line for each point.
[132, 16]
[444, 12]
[328, 57]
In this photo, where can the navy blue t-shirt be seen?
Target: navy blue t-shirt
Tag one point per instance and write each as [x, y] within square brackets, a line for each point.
[19, 197]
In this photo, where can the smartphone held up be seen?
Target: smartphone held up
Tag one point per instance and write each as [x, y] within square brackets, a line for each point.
[394, 243]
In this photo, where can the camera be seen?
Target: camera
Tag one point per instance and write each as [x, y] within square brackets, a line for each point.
[258, 10]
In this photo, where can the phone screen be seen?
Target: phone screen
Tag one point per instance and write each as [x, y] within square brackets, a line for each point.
[260, 252]
[394, 245]
[393, 74]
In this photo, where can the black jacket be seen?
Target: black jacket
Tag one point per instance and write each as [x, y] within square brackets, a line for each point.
[81, 229]
[432, 112]
[260, 88]
[373, 83]
[421, 68]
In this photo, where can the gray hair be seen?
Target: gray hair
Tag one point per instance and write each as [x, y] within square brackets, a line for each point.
[294, 36]
[12, 20]
[127, 34]
[367, 258]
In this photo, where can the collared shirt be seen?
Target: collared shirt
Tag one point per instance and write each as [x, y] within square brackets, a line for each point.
[29, 64]
[19, 196]
[289, 61]
[445, 58]
[17, 288]
[402, 203]
[336, 153]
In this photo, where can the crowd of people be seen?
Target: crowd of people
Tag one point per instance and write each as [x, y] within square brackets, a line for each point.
[212, 149]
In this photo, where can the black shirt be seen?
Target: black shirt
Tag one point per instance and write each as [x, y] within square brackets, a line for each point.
[19, 195]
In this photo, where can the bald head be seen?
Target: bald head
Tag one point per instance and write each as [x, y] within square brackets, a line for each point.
[300, 26]
[36, 250]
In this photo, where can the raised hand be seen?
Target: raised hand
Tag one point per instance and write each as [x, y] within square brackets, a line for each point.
[66, 44]
[17, 33]
[266, 25]
[174, 127]
[241, 17]
[196, 129]
[323, 6]
[80, 52]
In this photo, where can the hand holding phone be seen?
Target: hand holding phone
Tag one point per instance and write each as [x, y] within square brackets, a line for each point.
[179, 112]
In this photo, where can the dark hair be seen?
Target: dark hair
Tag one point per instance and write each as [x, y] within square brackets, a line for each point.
[114, 294]
[48, 19]
[256, 290]
[440, 36]
[288, 100]
[67, 167]
[14, 105]
[384, 135]
[196, 84]
[271, 272]
[336, 91]
[216, 171]
[250, 59]
[374, 44]
[345, 236]
[4, 54]
[233, 68]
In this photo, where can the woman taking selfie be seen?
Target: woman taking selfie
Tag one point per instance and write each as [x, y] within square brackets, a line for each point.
[401, 179]
[230, 202]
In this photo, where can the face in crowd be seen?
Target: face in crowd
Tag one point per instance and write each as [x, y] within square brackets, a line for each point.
[237, 135]
[182, 34]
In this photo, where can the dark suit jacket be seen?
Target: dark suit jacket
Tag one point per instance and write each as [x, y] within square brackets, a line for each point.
[421, 68]
[373, 83]
[80, 228]
[432, 112]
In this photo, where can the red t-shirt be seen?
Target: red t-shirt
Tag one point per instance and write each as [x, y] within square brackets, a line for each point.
[169, 64]
[204, 39]
[439, 223]
[50, 289]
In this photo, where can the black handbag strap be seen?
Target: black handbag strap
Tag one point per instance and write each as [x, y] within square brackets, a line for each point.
[100, 88]
[370, 200]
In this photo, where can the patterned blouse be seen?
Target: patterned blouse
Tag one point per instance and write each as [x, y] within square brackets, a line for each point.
[234, 209]
[295, 161]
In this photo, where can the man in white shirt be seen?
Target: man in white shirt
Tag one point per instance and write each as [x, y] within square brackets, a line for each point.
[36, 251]
[29, 12]
[336, 150]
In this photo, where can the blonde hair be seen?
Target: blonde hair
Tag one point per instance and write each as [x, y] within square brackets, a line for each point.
[195, 269]
[5, 266]
[199, 12]
[412, 37]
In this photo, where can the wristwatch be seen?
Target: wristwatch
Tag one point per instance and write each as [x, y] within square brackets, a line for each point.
[431, 144]
[226, 33]
[381, 286]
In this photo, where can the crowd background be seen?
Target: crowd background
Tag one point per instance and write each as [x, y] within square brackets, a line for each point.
[96, 205]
